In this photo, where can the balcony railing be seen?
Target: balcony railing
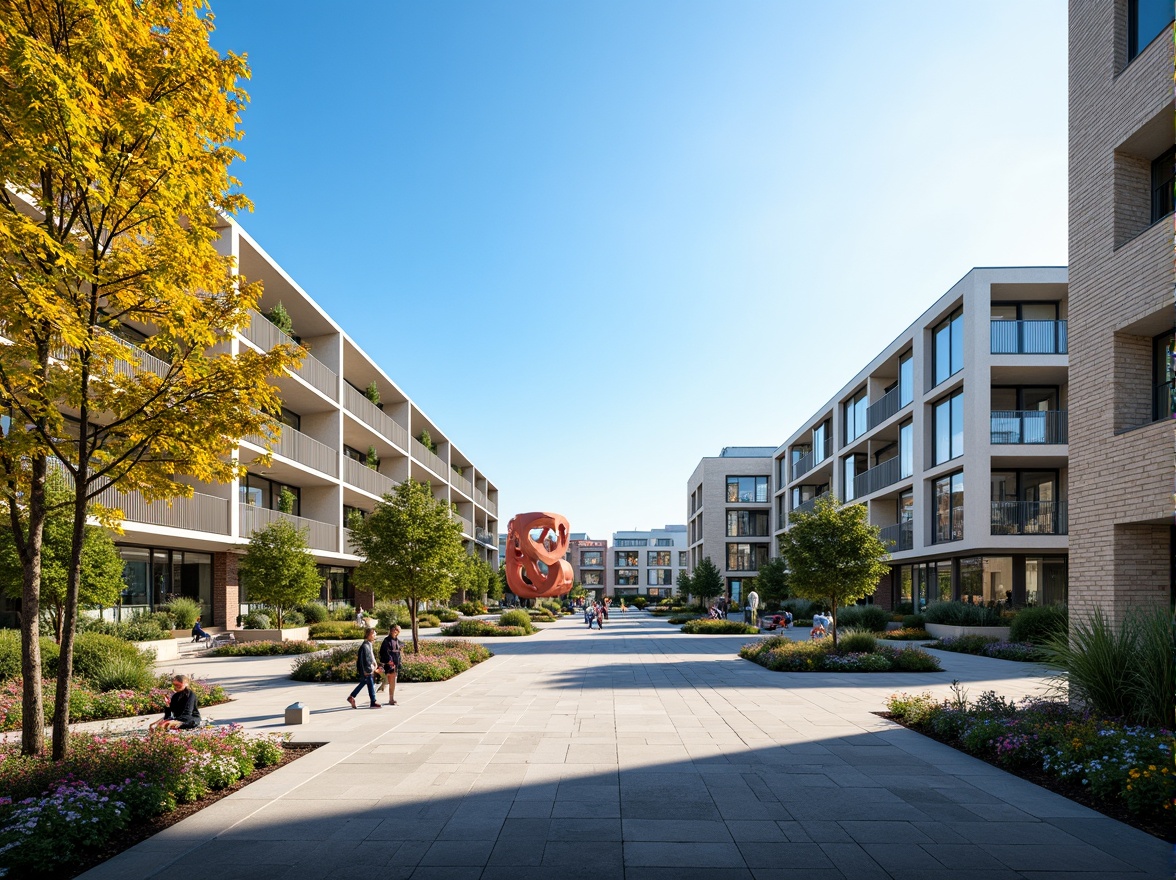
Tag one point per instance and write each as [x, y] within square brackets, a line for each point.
[363, 477]
[1029, 337]
[492, 506]
[265, 335]
[480, 497]
[810, 505]
[144, 362]
[467, 525]
[810, 460]
[886, 406]
[461, 483]
[319, 535]
[296, 446]
[882, 474]
[1029, 427]
[898, 537]
[374, 417]
[1030, 518]
[430, 460]
[484, 537]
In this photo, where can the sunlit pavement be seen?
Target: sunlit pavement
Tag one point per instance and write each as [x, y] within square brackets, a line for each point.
[632, 752]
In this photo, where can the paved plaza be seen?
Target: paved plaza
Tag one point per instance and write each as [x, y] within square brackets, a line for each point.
[636, 752]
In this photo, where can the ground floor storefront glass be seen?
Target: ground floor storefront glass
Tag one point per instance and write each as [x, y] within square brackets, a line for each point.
[153, 576]
[1012, 581]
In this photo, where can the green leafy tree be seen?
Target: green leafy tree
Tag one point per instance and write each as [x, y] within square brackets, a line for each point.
[772, 581]
[102, 567]
[411, 549]
[833, 555]
[705, 581]
[495, 580]
[279, 569]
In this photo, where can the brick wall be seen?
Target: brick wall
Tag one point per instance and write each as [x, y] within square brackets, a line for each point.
[226, 590]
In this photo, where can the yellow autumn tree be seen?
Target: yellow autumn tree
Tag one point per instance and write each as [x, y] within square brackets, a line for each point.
[117, 306]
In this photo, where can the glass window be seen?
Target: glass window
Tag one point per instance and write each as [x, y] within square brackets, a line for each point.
[681, 559]
[905, 581]
[821, 442]
[664, 542]
[591, 557]
[855, 415]
[658, 557]
[1162, 367]
[943, 580]
[947, 506]
[948, 343]
[290, 419]
[747, 523]
[949, 428]
[906, 448]
[906, 379]
[632, 542]
[659, 577]
[745, 490]
[627, 577]
[626, 557]
[592, 578]
[136, 576]
[746, 557]
[1161, 185]
[1145, 20]
[849, 465]
[1046, 581]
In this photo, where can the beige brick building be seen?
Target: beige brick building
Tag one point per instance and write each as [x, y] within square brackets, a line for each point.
[1122, 438]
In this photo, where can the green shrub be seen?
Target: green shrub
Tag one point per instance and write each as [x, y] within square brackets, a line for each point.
[336, 629]
[914, 621]
[719, 627]
[551, 605]
[800, 608]
[446, 615]
[1039, 624]
[256, 620]
[638, 602]
[872, 618]
[438, 660]
[859, 641]
[142, 628]
[183, 611]
[517, 617]
[904, 608]
[966, 644]
[343, 612]
[481, 628]
[315, 612]
[911, 660]
[782, 654]
[10, 655]
[428, 620]
[915, 709]
[291, 618]
[265, 752]
[95, 654]
[471, 608]
[908, 634]
[962, 614]
[387, 613]
[264, 648]
[118, 672]
[679, 619]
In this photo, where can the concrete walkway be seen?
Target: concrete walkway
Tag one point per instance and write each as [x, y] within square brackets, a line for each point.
[636, 752]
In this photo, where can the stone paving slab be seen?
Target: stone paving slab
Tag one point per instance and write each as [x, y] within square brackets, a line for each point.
[636, 753]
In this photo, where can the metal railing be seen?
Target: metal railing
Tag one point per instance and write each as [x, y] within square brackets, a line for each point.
[810, 505]
[1028, 337]
[363, 477]
[898, 537]
[265, 335]
[882, 409]
[1029, 426]
[319, 535]
[492, 506]
[374, 417]
[467, 525]
[1030, 518]
[480, 497]
[144, 362]
[462, 483]
[882, 474]
[484, 537]
[299, 447]
[429, 459]
[811, 459]
[347, 546]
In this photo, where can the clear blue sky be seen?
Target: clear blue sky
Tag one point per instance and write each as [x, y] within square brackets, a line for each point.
[678, 225]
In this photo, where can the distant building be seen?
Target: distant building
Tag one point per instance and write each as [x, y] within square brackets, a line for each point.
[647, 563]
[590, 563]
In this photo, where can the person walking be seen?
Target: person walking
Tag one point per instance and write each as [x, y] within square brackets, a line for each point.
[365, 665]
[390, 652]
[599, 616]
[753, 608]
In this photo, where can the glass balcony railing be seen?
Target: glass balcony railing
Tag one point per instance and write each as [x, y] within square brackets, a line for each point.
[1028, 337]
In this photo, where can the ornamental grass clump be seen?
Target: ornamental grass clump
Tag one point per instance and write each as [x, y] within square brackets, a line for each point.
[908, 634]
[706, 626]
[962, 614]
[782, 654]
[265, 648]
[516, 617]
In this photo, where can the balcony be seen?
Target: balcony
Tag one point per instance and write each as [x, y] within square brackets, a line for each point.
[363, 477]
[886, 406]
[319, 535]
[480, 497]
[1028, 337]
[492, 506]
[811, 459]
[1029, 427]
[296, 446]
[372, 416]
[484, 537]
[262, 333]
[882, 474]
[1030, 518]
[467, 525]
[429, 459]
[810, 505]
[898, 537]
[462, 484]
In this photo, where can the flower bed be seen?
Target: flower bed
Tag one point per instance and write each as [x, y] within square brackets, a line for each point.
[484, 629]
[782, 654]
[58, 818]
[439, 659]
[1123, 770]
[908, 634]
[719, 627]
[89, 704]
[264, 649]
[988, 646]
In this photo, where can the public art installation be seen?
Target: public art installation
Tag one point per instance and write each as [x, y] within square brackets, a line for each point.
[524, 554]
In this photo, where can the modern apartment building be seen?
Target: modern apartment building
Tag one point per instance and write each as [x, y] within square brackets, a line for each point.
[974, 393]
[338, 452]
[1121, 304]
[729, 510]
[591, 565]
[647, 563]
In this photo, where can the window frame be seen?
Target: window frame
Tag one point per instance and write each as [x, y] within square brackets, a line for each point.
[953, 325]
[733, 481]
[954, 530]
[954, 404]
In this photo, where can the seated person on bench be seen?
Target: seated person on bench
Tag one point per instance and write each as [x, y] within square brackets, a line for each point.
[181, 712]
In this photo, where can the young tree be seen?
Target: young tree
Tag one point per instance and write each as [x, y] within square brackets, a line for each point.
[279, 569]
[705, 581]
[116, 128]
[772, 581]
[411, 549]
[102, 567]
[833, 555]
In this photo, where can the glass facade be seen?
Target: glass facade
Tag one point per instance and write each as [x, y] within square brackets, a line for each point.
[592, 578]
[659, 577]
[948, 345]
[154, 576]
[746, 557]
[626, 557]
[591, 557]
[658, 557]
[949, 428]
[744, 490]
[947, 505]
[855, 415]
[906, 379]
[627, 577]
[747, 524]
[906, 449]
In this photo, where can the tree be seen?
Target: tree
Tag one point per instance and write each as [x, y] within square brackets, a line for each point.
[279, 569]
[705, 581]
[117, 122]
[495, 581]
[772, 581]
[102, 567]
[411, 549]
[833, 555]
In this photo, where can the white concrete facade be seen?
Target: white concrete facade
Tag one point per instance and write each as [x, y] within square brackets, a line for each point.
[646, 562]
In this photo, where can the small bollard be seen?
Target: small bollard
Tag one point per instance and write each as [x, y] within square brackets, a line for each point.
[297, 714]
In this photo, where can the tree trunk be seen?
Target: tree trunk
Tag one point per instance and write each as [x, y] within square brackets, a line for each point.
[69, 627]
[413, 605]
[833, 605]
[32, 728]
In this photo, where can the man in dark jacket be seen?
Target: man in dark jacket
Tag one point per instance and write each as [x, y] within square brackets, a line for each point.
[365, 665]
[181, 712]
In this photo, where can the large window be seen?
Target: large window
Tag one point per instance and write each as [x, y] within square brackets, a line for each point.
[947, 505]
[948, 345]
[1146, 19]
[747, 524]
[1026, 503]
[1162, 170]
[949, 428]
[658, 557]
[906, 448]
[746, 557]
[592, 578]
[855, 415]
[744, 490]
[627, 577]
[854, 466]
[660, 577]
[906, 379]
[663, 542]
[1163, 369]
[821, 444]
[681, 559]
[626, 557]
[632, 542]
[591, 557]
[260, 492]
[1046, 581]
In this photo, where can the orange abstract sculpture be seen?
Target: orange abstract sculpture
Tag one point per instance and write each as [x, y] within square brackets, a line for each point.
[524, 554]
